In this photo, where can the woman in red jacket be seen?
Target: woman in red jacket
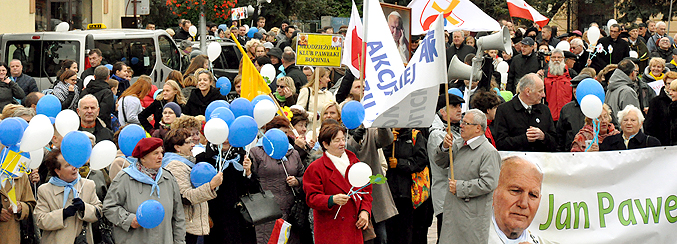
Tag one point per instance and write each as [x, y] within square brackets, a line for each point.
[327, 188]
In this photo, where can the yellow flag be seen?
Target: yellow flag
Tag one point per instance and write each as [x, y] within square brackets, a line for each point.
[252, 81]
[12, 198]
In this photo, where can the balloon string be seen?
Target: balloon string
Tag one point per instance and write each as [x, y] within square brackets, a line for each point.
[595, 129]
[83, 184]
[350, 194]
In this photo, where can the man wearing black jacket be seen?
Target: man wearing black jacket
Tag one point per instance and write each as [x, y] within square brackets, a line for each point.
[291, 70]
[614, 50]
[101, 90]
[458, 47]
[88, 110]
[523, 123]
[522, 64]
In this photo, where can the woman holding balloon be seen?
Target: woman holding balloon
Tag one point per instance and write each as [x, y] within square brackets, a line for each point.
[338, 217]
[67, 204]
[280, 170]
[143, 202]
[205, 93]
[179, 161]
[171, 92]
[587, 133]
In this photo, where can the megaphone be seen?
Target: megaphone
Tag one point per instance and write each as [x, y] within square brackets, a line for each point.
[497, 41]
[460, 71]
[262, 1]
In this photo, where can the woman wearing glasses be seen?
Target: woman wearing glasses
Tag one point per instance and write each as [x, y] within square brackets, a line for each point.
[286, 92]
[205, 93]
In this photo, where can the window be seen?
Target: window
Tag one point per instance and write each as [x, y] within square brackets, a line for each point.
[42, 58]
[170, 54]
[229, 58]
[139, 54]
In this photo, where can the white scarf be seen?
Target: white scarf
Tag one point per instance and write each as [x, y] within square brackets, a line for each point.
[341, 163]
[522, 238]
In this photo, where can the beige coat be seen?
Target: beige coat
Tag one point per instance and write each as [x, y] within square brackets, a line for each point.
[10, 231]
[117, 165]
[307, 101]
[49, 212]
[197, 214]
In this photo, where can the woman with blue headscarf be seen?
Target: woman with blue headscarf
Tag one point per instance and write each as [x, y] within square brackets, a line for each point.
[144, 180]
[67, 204]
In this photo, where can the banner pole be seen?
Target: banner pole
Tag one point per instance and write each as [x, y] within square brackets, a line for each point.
[451, 156]
[316, 87]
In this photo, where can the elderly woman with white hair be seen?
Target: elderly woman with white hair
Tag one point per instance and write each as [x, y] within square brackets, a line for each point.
[631, 120]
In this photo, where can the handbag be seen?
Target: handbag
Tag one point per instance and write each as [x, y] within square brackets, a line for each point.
[259, 207]
[82, 237]
[298, 213]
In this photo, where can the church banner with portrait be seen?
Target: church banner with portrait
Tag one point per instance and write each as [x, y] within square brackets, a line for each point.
[399, 22]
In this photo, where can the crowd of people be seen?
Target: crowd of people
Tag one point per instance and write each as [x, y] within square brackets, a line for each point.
[59, 203]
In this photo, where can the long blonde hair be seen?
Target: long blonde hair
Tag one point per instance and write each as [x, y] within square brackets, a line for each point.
[322, 72]
[179, 98]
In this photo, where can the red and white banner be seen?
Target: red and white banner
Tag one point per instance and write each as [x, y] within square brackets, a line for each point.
[520, 9]
[352, 46]
[458, 15]
[280, 233]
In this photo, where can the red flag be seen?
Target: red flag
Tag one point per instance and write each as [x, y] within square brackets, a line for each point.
[352, 54]
[280, 233]
[520, 9]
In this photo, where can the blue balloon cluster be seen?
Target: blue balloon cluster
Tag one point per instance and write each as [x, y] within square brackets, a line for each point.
[201, 174]
[223, 113]
[129, 136]
[76, 148]
[275, 143]
[352, 114]
[223, 83]
[242, 106]
[11, 131]
[150, 214]
[243, 131]
[589, 86]
[214, 105]
[49, 105]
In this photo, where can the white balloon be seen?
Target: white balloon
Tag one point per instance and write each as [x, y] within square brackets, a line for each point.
[610, 22]
[36, 158]
[216, 131]
[38, 134]
[591, 106]
[593, 35]
[633, 54]
[105, 152]
[192, 30]
[67, 121]
[563, 45]
[502, 67]
[61, 27]
[358, 175]
[213, 51]
[504, 78]
[268, 71]
[264, 111]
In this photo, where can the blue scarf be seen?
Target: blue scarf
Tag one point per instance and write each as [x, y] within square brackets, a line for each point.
[170, 156]
[227, 162]
[139, 176]
[284, 159]
[68, 187]
[282, 72]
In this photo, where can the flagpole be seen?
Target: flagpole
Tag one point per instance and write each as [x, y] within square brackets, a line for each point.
[451, 156]
[316, 87]
[279, 109]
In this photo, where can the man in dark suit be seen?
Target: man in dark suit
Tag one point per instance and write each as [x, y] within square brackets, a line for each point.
[523, 123]
[582, 55]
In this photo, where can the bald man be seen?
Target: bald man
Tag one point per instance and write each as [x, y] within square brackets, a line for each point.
[516, 201]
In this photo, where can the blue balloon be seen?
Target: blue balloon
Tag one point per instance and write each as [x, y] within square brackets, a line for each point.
[135, 60]
[52, 120]
[242, 106]
[214, 105]
[243, 131]
[223, 83]
[251, 31]
[352, 114]
[589, 86]
[223, 113]
[150, 214]
[129, 136]
[275, 143]
[201, 174]
[259, 98]
[456, 91]
[123, 59]
[157, 92]
[48, 105]
[76, 148]
[23, 122]
[11, 131]
[109, 66]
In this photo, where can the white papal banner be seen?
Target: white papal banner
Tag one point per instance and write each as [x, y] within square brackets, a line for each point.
[607, 197]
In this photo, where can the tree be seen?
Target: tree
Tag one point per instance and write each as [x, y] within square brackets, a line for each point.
[644, 9]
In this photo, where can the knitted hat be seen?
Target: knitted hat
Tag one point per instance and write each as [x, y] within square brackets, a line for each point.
[275, 52]
[145, 146]
[175, 107]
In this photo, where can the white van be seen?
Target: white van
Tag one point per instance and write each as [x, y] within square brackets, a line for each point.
[147, 52]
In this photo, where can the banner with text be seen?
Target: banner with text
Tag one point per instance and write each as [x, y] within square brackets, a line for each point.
[318, 50]
[607, 197]
[407, 98]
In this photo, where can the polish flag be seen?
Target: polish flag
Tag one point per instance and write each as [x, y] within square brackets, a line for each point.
[520, 9]
[280, 233]
[352, 46]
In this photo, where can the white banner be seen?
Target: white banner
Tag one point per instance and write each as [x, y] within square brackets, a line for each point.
[607, 197]
[408, 98]
[458, 15]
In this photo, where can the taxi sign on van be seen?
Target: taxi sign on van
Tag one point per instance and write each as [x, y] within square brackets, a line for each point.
[96, 26]
[319, 50]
